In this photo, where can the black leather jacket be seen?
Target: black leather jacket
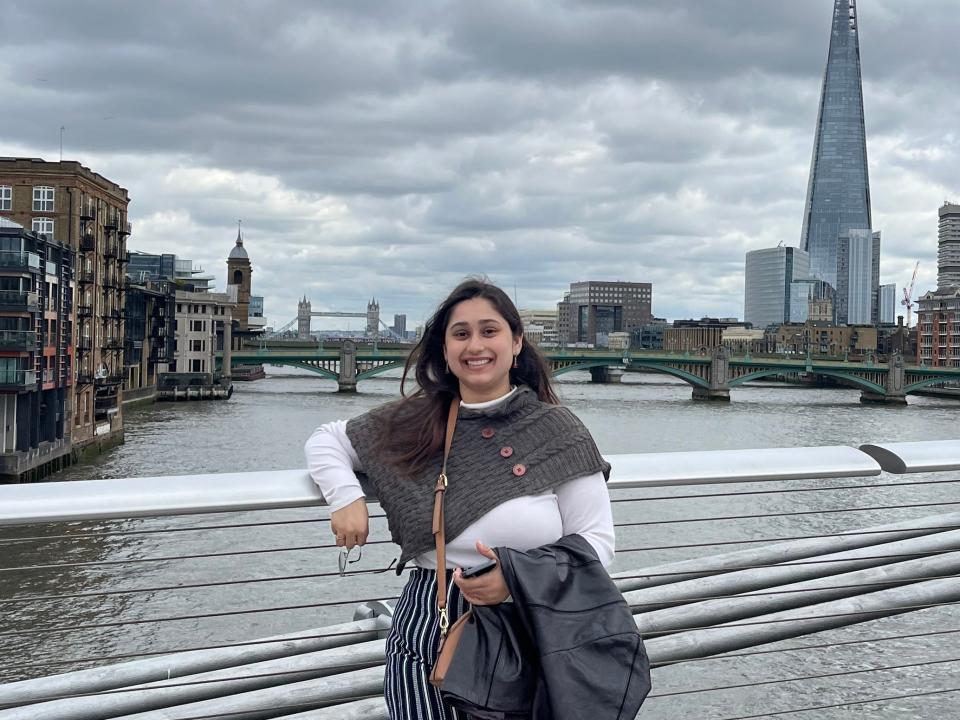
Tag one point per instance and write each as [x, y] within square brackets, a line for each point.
[565, 648]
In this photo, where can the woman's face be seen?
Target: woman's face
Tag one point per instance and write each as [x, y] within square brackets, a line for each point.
[479, 347]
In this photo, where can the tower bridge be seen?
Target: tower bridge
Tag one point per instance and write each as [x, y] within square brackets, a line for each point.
[711, 376]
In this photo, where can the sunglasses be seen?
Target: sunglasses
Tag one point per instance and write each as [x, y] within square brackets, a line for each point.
[343, 559]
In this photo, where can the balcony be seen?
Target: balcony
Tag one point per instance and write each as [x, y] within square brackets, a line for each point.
[111, 248]
[125, 228]
[19, 301]
[85, 276]
[84, 311]
[17, 379]
[88, 212]
[88, 243]
[27, 261]
[18, 340]
[84, 344]
[112, 343]
[111, 222]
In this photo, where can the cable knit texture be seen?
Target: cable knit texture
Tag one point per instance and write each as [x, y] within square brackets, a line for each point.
[548, 441]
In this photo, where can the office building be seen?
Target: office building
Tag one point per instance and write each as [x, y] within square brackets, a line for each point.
[769, 279]
[838, 191]
[938, 328]
[858, 268]
[887, 304]
[591, 310]
[948, 246]
[546, 320]
[80, 209]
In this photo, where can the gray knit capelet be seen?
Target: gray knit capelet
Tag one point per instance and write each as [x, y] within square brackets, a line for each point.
[519, 447]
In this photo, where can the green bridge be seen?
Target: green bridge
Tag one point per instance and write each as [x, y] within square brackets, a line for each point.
[711, 375]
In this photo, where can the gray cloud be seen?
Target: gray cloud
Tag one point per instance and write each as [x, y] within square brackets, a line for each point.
[388, 149]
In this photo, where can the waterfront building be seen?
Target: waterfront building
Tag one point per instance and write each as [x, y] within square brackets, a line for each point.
[36, 351]
[838, 191]
[826, 340]
[697, 336]
[948, 246]
[858, 270]
[591, 310]
[618, 341]
[86, 212]
[650, 336]
[741, 340]
[533, 333]
[149, 337]
[400, 326]
[546, 319]
[204, 327]
[938, 328]
[769, 277]
[887, 304]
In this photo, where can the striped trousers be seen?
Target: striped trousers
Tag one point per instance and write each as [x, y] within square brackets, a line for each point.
[412, 649]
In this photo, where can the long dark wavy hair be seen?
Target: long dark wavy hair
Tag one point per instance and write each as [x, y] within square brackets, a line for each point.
[414, 426]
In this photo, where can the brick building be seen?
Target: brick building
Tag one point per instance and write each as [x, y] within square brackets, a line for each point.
[86, 212]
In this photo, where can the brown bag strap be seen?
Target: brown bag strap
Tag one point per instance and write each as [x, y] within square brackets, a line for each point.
[438, 519]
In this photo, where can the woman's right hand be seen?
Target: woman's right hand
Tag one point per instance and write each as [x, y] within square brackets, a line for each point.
[351, 524]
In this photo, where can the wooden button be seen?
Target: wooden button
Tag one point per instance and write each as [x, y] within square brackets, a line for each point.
[506, 451]
[519, 470]
[487, 433]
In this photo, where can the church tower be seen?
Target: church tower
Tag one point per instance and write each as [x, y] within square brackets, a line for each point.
[238, 273]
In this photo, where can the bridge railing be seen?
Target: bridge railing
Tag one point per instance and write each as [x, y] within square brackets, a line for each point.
[789, 565]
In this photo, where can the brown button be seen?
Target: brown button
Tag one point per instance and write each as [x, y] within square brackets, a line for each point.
[487, 433]
[506, 451]
[519, 469]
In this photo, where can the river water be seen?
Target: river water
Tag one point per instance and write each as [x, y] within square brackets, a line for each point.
[264, 427]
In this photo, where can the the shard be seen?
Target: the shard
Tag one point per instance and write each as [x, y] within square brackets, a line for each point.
[838, 193]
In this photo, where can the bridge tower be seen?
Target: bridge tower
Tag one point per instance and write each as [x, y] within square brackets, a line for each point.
[373, 319]
[303, 319]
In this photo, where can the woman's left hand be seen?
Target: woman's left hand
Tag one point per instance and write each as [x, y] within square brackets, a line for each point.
[488, 589]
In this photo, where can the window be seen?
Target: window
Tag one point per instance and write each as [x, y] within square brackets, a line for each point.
[196, 366]
[196, 345]
[196, 325]
[44, 226]
[43, 199]
[180, 307]
[6, 197]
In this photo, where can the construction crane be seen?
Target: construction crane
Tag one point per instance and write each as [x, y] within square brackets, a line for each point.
[907, 301]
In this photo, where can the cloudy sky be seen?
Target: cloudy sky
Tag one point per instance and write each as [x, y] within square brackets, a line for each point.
[389, 148]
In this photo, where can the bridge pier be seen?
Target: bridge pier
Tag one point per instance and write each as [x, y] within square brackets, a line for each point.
[606, 375]
[894, 393]
[719, 388]
[347, 382]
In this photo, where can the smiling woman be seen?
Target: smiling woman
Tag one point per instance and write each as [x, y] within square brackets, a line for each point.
[485, 418]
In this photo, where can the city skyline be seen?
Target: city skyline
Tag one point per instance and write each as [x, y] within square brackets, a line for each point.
[540, 145]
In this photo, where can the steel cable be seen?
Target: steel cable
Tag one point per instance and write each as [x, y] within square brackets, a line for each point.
[311, 673]
[308, 606]
[300, 548]
[309, 576]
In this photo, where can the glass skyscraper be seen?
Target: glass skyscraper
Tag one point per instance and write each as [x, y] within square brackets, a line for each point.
[838, 192]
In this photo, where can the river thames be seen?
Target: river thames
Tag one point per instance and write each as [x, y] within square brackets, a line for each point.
[264, 427]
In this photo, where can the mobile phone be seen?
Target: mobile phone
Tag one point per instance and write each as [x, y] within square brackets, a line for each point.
[479, 569]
